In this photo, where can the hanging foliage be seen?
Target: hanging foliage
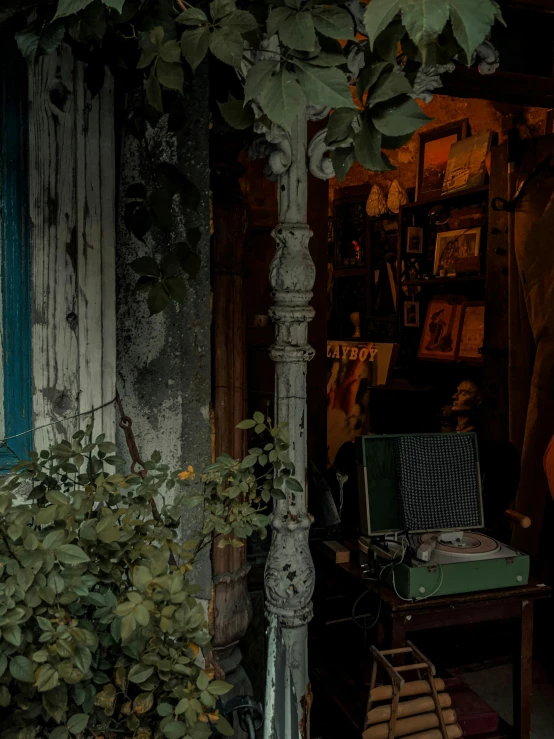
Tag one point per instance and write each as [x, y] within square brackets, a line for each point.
[365, 62]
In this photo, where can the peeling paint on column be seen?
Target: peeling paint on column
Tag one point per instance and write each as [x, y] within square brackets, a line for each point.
[289, 574]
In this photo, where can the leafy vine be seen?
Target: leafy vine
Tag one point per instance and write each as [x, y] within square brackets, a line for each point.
[367, 63]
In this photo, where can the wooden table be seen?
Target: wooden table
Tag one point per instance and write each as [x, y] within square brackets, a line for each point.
[401, 618]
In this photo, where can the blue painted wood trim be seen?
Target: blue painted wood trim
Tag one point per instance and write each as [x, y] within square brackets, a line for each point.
[16, 281]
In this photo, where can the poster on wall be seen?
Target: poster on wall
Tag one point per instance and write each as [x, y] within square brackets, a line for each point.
[352, 369]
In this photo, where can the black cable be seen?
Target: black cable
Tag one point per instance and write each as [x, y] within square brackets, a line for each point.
[358, 600]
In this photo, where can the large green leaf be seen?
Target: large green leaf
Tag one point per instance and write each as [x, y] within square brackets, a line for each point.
[220, 8]
[367, 147]
[114, 4]
[32, 41]
[424, 19]
[174, 729]
[378, 15]
[140, 673]
[22, 669]
[340, 125]
[388, 86]
[297, 30]
[192, 17]
[324, 85]
[386, 43]
[334, 22]
[370, 75]
[12, 634]
[275, 18]
[77, 723]
[395, 142]
[194, 45]
[471, 22]
[227, 45]
[46, 678]
[281, 98]
[398, 117]
[71, 554]
[170, 74]
[69, 7]
[240, 21]
[236, 115]
[154, 92]
[257, 78]
[343, 158]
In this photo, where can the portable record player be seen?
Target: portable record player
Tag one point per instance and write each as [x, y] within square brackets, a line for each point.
[421, 509]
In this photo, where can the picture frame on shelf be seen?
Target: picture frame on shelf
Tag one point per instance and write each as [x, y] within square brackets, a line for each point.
[466, 167]
[472, 333]
[454, 248]
[414, 240]
[411, 314]
[441, 331]
[434, 150]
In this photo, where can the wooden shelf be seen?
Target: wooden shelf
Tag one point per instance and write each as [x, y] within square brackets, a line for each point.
[443, 281]
[444, 198]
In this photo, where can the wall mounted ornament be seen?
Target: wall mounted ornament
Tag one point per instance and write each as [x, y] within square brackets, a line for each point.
[376, 204]
[397, 197]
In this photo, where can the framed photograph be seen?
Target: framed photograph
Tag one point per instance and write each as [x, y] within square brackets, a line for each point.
[466, 166]
[411, 314]
[441, 332]
[434, 150]
[352, 369]
[472, 333]
[414, 240]
[454, 246]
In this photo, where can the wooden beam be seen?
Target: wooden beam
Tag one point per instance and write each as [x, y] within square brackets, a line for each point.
[505, 87]
[55, 345]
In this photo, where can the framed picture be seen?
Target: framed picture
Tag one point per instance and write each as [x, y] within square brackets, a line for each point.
[466, 166]
[454, 246]
[414, 240]
[411, 314]
[472, 333]
[441, 332]
[352, 369]
[434, 149]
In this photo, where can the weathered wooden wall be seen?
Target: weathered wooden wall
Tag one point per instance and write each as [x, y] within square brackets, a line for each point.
[72, 235]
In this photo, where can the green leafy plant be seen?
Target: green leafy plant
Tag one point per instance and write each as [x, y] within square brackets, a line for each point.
[101, 633]
[367, 63]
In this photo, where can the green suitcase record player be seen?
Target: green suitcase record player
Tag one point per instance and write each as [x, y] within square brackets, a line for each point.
[421, 510]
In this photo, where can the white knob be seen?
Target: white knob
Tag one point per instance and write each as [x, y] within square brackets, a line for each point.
[422, 589]
[519, 578]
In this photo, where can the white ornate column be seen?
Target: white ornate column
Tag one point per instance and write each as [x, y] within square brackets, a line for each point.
[289, 575]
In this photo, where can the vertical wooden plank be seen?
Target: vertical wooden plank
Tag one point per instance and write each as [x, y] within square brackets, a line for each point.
[53, 240]
[16, 415]
[95, 214]
[495, 359]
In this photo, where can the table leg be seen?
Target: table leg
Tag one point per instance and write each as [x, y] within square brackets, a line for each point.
[523, 665]
[398, 634]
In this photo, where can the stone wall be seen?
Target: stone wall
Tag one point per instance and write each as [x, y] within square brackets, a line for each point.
[164, 361]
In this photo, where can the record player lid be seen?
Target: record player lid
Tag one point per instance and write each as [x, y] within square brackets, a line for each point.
[419, 482]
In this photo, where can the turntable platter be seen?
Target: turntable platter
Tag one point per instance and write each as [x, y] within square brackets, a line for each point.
[471, 545]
